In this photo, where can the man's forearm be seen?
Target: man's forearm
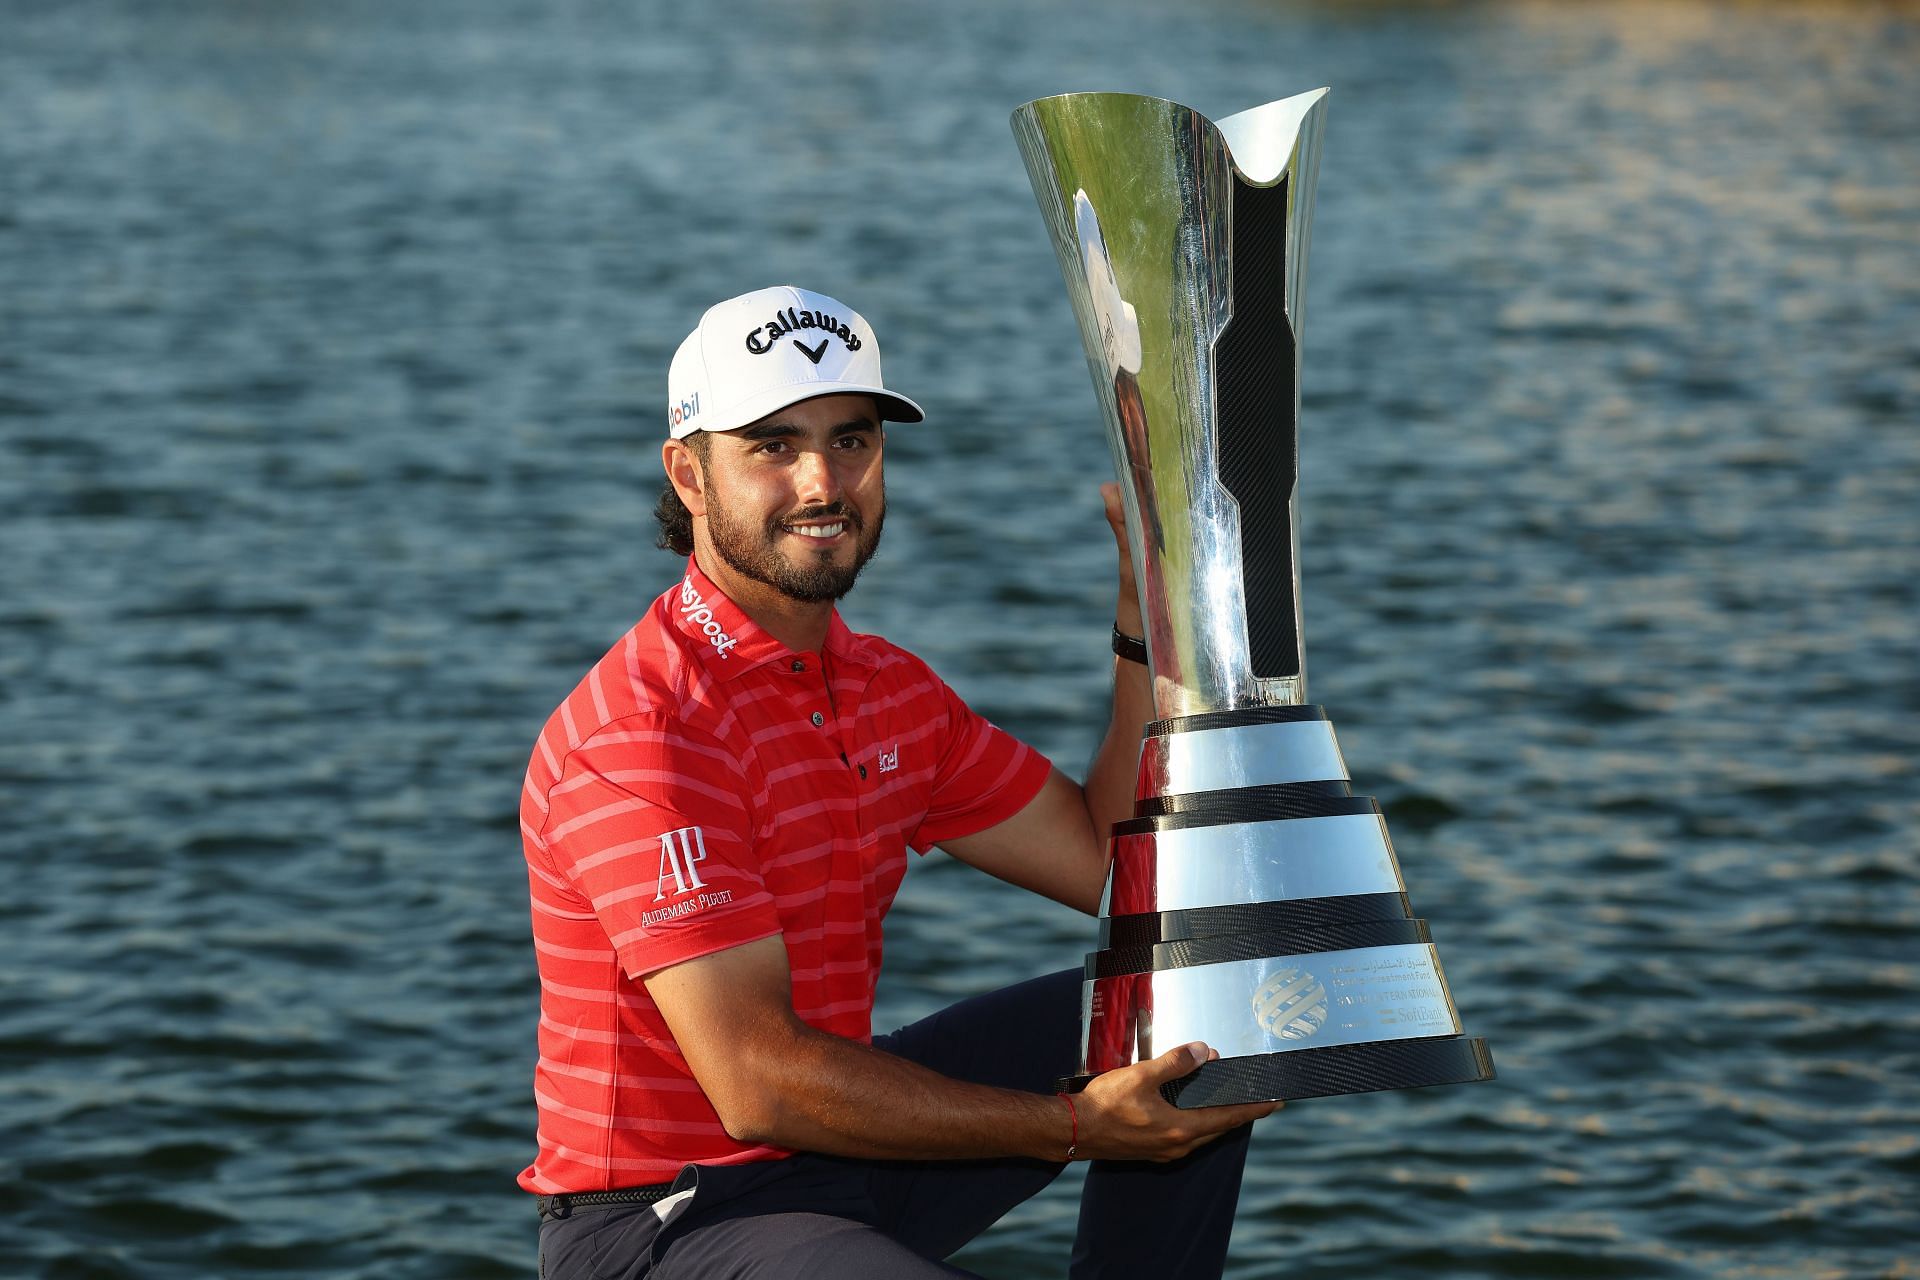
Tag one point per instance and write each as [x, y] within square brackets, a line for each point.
[819, 1092]
[812, 1091]
[774, 1079]
[1112, 776]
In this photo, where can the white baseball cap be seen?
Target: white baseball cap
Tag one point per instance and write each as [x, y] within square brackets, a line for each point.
[762, 351]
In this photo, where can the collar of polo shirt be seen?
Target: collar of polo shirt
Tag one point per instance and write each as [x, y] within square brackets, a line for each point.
[731, 643]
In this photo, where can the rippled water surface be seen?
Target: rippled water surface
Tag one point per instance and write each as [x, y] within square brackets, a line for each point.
[332, 341]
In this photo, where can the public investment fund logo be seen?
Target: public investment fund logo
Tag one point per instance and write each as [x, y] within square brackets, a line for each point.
[1291, 1004]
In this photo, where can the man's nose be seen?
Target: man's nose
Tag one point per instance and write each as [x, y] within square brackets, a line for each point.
[816, 481]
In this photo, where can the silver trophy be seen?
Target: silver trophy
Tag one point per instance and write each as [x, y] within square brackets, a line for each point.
[1254, 902]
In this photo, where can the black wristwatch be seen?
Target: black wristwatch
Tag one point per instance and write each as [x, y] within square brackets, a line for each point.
[1132, 648]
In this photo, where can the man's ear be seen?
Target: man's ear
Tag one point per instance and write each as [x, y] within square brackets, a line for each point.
[684, 474]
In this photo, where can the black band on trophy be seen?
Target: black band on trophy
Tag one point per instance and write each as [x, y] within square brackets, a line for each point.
[1272, 811]
[1251, 804]
[1336, 1069]
[1255, 392]
[1234, 719]
[1188, 953]
[1147, 928]
[1323, 1073]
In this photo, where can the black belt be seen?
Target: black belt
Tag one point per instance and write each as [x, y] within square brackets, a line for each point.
[559, 1206]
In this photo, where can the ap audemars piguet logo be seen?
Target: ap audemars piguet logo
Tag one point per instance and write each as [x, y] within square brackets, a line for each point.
[681, 853]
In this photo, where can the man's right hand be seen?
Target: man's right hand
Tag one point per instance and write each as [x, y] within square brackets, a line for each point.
[1123, 1117]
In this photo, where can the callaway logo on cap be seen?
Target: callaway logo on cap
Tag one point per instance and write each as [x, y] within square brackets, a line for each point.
[762, 351]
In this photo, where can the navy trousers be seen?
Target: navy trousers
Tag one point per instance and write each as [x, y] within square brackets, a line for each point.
[814, 1216]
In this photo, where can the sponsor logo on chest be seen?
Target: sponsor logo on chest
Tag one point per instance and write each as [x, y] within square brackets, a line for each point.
[890, 760]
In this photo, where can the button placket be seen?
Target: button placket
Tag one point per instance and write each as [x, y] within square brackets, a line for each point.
[817, 719]
[819, 690]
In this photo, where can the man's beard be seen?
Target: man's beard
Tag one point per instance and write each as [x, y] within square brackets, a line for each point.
[753, 551]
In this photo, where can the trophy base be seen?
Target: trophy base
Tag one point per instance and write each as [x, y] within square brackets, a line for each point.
[1321, 1073]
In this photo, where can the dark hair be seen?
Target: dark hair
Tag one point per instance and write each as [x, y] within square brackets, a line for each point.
[676, 522]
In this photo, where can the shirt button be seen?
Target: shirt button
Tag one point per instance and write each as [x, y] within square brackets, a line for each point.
[799, 665]
[818, 719]
[863, 773]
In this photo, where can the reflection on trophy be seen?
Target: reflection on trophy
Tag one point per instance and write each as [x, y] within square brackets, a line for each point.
[1254, 901]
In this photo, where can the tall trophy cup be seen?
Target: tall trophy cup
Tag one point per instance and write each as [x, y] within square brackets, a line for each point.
[1254, 902]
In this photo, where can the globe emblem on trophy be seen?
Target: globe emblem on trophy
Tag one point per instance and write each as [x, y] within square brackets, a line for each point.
[1291, 1004]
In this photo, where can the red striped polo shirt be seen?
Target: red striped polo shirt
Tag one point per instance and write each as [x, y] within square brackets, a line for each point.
[705, 786]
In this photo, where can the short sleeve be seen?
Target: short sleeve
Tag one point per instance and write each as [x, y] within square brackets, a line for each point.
[985, 776]
[649, 822]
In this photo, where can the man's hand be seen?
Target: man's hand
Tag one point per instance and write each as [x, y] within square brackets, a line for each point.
[1123, 1116]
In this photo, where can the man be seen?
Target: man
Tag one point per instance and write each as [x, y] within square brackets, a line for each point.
[716, 820]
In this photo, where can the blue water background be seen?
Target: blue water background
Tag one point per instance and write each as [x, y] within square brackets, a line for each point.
[332, 342]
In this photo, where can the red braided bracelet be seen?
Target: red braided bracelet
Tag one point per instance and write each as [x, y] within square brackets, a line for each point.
[1073, 1143]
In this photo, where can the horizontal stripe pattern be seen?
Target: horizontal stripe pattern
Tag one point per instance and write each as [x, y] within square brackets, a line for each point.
[802, 831]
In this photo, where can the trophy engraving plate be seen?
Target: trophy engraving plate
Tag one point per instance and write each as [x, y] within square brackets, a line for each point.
[1266, 1005]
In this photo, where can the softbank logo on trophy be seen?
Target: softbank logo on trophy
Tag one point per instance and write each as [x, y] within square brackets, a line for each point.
[1254, 902]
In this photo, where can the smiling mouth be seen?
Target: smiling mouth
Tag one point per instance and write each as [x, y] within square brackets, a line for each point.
[821, 524]
[823, 530]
